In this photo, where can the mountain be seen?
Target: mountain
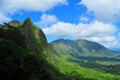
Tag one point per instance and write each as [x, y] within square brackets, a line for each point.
[85, 58]
[24, 53]
[35, 37]
[80, 47]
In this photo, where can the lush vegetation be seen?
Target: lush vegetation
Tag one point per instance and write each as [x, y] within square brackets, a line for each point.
[114, 69]
[72, 68]
[22, 58]
[85, 58]
[26, 55]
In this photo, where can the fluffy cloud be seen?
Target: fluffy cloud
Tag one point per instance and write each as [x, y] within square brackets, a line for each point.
[104, 10]
[84, 19]
[81, 30]
[109, 41]
[95, 31]
[9, 7]
[30, 5]
[47, 20]
[4, 18]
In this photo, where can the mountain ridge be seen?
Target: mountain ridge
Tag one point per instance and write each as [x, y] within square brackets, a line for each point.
[81, 46]
[24, 53]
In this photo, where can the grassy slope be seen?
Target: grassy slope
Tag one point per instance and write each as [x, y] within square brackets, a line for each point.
[67, 49]
[108, 62]
[69, 68]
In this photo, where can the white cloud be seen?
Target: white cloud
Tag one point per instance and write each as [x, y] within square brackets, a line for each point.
[81, 30]
[10, 7]
[84, 19]
[4, 18]
[30, 5]
[95, 31]
[109, 41]
[47, 20]
[104, 10]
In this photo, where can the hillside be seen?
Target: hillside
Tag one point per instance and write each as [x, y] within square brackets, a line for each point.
[86, 58]
[23, 55]
[80, 47]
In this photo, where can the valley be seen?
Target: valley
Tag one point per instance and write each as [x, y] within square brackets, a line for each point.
[90, 60]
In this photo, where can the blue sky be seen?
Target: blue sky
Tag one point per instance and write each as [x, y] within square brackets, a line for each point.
[94, 20]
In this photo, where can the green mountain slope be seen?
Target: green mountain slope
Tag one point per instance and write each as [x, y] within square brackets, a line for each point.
[85, 58]
[80, 48]
[24, 53]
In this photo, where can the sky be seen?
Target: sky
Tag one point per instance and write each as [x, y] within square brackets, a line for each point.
[94, 20]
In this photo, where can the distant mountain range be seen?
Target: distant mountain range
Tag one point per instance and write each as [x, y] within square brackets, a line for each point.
[80, 47]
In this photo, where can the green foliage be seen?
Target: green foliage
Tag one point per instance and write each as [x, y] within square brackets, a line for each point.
[15, 23]
[36, 39]
[90, 45]
[74, 70]
[114, 69]
[108, 62]
[17, 63]
[21, 54]
[77, 60]
[11, 60]
[13, 34]
[26, 55]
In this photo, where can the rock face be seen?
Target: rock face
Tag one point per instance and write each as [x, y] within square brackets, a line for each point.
[35, 37]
